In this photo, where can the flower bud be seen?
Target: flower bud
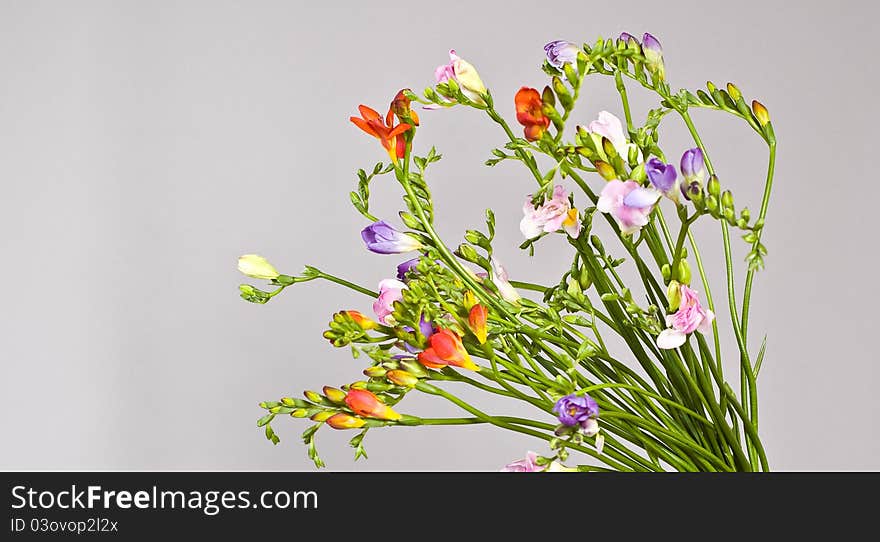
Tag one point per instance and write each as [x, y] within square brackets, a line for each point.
[341, 420]
[683, 272]
[562, 92]
[313, 396]
[673, 294]
[605, 170]
[414, 368]
[322, 416]
[300, 413]
[734, 92]
[469, 300]
[362, 321]
[257, 267]
[477, 322]
[365, 403]
[727, 200]
[714, 187]
[712, 204]
[666, 272]
[402, 378]
[761, 113]
[334, 394]
[375, 371]
[653, 55]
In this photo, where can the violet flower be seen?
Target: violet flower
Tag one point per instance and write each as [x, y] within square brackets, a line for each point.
[405, 267]
[381, 238]
[653, 55]
[628, 38]
[561, 52]
[693, 166]
[579, 410]
[664, 182]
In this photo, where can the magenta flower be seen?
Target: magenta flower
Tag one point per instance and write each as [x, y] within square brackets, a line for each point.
[382, 238]
[612, 200]
[689, 317]
[390, 290]
[524, 465]
[561, 52]
[553, 215]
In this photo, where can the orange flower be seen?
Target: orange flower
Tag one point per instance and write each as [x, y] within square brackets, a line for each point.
[477, 320]
[384, 130]
[529, 113]
[365, 403]
[361, 320]
[446, 349]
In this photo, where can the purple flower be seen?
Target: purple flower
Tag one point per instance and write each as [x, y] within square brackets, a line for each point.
[628, 38]
[524, 465]
[561, 52]
[693, 167]
[382, 238]
[653, 55]
[664, 181]
[405, 267]
[578, 410]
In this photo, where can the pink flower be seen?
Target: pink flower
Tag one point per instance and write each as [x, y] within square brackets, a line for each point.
[551, 216]
[611, 200]
[689, 317]
[610, 127]
[524, 465]
[390, 290]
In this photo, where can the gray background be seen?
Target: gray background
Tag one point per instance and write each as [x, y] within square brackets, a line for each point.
[145, 145]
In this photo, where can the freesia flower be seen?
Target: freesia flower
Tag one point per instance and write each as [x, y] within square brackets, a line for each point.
[613, 200]
[689, 317]
[402, 378]
[530, 114]
[653, 55]
[499, 278]
[477, 321]
[609, 126]
[579, 410]
[561, 52]
[382, 238]
[390, 290]
[405, 267]
[257, 267]
[365, 403]
[361, 320]
[529, 464]
[664, 182]
[384, 130]
[554, 214]
[400, 106]
[446, 349]
[462, 72]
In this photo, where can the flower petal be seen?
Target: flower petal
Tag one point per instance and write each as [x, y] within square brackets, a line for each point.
[641, 197]
[670, 338]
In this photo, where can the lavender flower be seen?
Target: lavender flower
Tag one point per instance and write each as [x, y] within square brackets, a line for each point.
[561, 52]
[653, 55]
[578, 410]
[382, 238]
[693, 167]
[628, 38]
[405, 267]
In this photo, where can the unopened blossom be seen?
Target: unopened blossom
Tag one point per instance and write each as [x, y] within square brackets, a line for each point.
[477, 317]
[530, 113]
[609, 126]
[690, 317]
[580, 410]
[693, 165]
[257, 267]
[553, 215]
[462, 72]
[500, 279]
[561, 52]
[406, 267]
[653, 55]
[445, 349]
[613, 200]
[528, 464]
[390, 290]
[341, 420]
[382, 238]
[628, 38]
[365, 403]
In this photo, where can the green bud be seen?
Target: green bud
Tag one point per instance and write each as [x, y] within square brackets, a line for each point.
[633, 155]
[375, 371]
[734, 92]
[414, 367]
[410, 220]
[665, 272]
[574, 288]
[608, 147]
[673, 294]
[745, 214]
[727, 200]
[547, 96]
[711, 86]
[562, 93]
[683, 272]
[714, 187]
[300, 413]
[585, 279]
[638, 173]
[606, 170]
[712, 205]
[729, 215]
[313, 396]
[334, 394]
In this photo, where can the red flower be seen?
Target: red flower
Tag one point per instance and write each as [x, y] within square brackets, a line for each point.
[446, 349]
[530, 113]
[384, 130]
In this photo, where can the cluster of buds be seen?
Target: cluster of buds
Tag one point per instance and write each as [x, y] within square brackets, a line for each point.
[352, 407]
[347, 327]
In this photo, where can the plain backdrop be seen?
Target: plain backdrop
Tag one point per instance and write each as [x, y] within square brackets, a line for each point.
[145, 145]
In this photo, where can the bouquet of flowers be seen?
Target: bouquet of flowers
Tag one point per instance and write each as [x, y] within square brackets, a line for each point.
[453, 314]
